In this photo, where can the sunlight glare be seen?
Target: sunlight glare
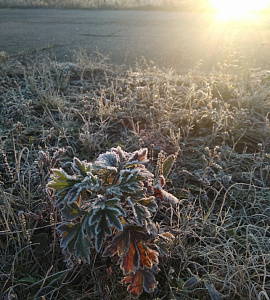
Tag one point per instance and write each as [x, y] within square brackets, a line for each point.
[238, 9]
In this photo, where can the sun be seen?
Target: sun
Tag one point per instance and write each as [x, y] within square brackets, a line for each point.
[238, 9]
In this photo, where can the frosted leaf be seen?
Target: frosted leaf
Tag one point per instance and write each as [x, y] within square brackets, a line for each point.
[109, 160]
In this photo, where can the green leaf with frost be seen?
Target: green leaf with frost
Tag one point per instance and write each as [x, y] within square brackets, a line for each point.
[81, 167]
[72, 211]
[68, 233]
[82, 247]
[143, 172]
[71, 194]
[137, 157]
[89, 228]
[167, 165]
[109, 160]
[114, 190]
[105, 215]
[130, 181]
[64, 185]
[102, 229]
[112, 214]
[112, 201]
[123, 156]
[140, 212]
[61, 180]
[149, 202]
[74, 239]
[139, 194]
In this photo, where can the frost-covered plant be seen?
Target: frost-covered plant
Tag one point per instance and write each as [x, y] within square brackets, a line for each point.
[108, 205]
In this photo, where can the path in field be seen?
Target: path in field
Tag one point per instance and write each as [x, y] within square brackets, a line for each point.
[171, 39]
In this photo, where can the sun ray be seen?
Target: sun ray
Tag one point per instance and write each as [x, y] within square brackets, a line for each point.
[238, 9]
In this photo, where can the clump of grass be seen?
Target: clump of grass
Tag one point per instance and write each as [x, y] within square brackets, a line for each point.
[219, 124]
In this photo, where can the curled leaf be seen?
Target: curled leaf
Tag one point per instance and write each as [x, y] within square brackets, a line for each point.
[132, 250]
[142, 279]
[138, 157]
[165, 196]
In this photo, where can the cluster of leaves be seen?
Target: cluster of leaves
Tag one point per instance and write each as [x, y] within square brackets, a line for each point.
[108, 205]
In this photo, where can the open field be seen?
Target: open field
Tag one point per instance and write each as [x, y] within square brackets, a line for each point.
[217, 123]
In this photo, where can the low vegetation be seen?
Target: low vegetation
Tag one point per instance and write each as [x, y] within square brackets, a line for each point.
[205, 135]
[110, 4]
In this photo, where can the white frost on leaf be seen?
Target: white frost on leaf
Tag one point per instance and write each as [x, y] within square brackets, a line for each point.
[109, 160]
